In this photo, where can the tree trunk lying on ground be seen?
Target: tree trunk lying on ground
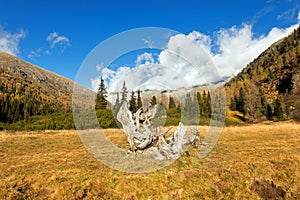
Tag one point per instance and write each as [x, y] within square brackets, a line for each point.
[142, 138]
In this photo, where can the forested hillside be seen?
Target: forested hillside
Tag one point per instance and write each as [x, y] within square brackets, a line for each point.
[27, 90]
[269, 87]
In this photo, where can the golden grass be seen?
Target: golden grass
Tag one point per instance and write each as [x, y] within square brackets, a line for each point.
[55, 165]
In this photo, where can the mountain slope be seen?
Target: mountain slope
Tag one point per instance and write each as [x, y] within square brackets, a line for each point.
[275, 74]
[27, 90]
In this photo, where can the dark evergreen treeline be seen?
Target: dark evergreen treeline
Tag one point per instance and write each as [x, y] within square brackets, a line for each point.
[55, 121]
[195, 107]
[14, 109]
[17, 103]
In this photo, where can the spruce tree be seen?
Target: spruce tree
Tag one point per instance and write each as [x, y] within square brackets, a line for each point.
[278, 113]
[139, 100]
[232, 105]
[208, 104]
[269, 112]
[199, 100]
[172, 102]
[204, 108]
[264, 104]
[101, 101]
[188, 104]
[124, 93]
[190, 110]
[188, 107]
[242, 102]
[153, 101]
[117, 104]
[132, 103]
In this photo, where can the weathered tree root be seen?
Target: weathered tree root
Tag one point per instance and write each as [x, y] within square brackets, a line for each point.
[154, 142]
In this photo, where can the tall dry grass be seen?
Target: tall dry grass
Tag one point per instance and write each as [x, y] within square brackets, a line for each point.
[55, 165]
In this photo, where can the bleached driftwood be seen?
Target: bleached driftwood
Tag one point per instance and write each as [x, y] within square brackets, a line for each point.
[147, 140]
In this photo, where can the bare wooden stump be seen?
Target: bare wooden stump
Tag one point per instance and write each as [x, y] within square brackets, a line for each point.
[143, 138]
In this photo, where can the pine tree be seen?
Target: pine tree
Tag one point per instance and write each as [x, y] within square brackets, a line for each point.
[101, 101]
[172, 102]
[188, 104]
[219, 113]
[241, 102]
[124, 93]
[232, 105]
[117, 104]
[278, 113]
[269, 112]
[195, 108]
[200, 103]
[139, 100]
[208, 104]
[264, 104]
[190, 111]
[132, 103]
[2, 115]
[204, 104]
[153, 101]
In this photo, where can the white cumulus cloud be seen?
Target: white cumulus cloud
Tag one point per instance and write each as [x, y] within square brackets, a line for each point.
[146, 58]
[238, 47]
[9, 42]
[56, 39]
[190, 60]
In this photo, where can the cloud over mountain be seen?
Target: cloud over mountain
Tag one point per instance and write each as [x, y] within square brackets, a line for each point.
[193, 59]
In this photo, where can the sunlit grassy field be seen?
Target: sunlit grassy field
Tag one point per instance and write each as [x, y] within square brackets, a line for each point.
[55, 165]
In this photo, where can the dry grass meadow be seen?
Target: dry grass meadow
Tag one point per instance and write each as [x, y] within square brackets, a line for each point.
[248, 162]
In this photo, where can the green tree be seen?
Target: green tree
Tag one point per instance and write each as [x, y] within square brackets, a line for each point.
[278, 113]
[101, 102]
[204, 108]
[269, 112]
[208, 104]
[153, 101]
[200, 103]
[117, 105]
[190, 111]
[132, 103]
[172, 102]
[188, 104]
[124, 93]
[264, 104]
[241, 102]
[232, 105]
[139, 100]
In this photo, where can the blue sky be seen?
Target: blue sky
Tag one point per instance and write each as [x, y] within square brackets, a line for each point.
[58, 35]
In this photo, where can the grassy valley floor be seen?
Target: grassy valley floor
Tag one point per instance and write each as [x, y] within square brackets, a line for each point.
[248, 162]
